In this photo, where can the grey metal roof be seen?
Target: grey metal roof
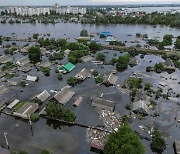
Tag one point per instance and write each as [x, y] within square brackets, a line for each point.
[103, 104]
[64, 95]
[83, 74]
[111, 78]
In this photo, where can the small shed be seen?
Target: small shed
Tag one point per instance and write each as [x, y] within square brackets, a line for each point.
[31, 78]
[140, 107]
[11, 105]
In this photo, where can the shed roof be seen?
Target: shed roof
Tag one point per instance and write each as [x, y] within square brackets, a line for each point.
[140, 107]
[10, 106]
[31, 78]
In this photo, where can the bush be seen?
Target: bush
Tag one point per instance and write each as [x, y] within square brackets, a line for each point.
[60, 77]
[34, 117]
[84, 33]
[128, 106]
[124, 141]
[99, 80]
[158, 143]
[34, 54]
[46, 71]
[45, 151]
[22, 84]
[72, 81]
[57, 111]
[100, 57]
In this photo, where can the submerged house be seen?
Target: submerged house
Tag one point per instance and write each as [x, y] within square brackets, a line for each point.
[4, 59]
[140, 104]
[110, 79]
[104, 34]
[68, 67]
[83, 74]
[133, 61]
[103, 104]
[43, 96]
[169, 66]
[64, 95]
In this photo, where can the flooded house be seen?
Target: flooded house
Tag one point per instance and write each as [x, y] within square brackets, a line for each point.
[26, 110]
[103, 104]
[4, 59]
[87, 58]
[133, 62]
[83, 74]
[169, 66]
[67, 67]
[23, 61]
[43, 96]
[140, 104]
[110, 79]
[3, 89]
[64, 95]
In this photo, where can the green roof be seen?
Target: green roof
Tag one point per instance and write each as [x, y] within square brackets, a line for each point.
[69, 67]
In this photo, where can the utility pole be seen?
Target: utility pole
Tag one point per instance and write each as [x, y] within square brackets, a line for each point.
[6, 139]
[30, 122]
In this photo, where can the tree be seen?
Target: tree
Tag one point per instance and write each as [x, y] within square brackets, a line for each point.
[94, 47]
[177, 44]
[72, 81]
[84, 33]
[45, 151]
[57, 111]
[95, 73]
[158, 143]
[34, 54]
[134, 82]
[99, 80]
[159, 67]
[147, 86]
[60, 77]
[46, 71]
[34, 117]
[100, 56]
[35, 36]
[0, 40]
[122, 62]
[124, 141]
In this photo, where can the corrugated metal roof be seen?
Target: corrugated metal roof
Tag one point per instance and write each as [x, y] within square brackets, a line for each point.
[69, 66]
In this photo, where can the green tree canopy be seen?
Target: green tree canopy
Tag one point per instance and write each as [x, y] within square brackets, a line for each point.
[57, 111]
[177, 44]
[72, 81]
[158, 143]
[34, 54]
[124, 141]
[94, 47]
[100, 56]
[84, 33]
[122, 62]
[45, 151]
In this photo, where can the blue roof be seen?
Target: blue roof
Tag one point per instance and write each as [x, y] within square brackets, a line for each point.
[105, 33]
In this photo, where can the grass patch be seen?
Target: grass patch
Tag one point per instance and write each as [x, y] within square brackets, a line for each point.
[8, 66]
[9, 76]
[18, 106]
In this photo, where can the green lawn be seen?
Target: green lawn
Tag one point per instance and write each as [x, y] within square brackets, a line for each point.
[18, 106]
